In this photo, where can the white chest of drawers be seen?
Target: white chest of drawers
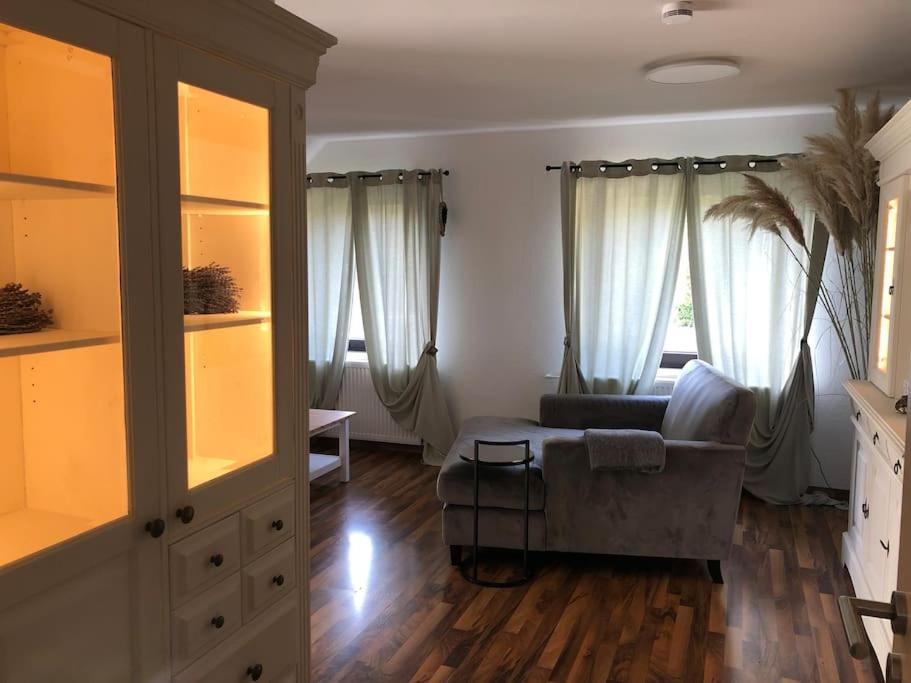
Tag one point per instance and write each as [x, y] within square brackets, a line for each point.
[870, 545]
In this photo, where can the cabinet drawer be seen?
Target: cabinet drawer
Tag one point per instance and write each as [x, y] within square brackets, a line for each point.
[205, 621]
[267, 523]
[269, 644]
[204, 558]
[268, 579]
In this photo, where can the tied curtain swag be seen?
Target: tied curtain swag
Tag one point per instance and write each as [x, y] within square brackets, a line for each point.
[392, 226]
[752, 304]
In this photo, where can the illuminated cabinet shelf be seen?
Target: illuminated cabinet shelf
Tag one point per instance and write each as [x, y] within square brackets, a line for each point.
[215, 321]
[52, 340]
[214, 206]
[18, 186]
[890, 347]
[134, 149]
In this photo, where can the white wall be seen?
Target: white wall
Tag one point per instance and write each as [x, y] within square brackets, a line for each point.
[501, 318]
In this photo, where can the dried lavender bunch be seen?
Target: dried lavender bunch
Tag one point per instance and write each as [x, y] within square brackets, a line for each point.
[20, 310]
[210, 289]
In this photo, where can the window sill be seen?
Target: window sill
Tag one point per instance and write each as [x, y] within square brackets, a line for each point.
[356, 359]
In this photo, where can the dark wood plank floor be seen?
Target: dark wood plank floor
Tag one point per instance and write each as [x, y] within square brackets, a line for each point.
[387, 605]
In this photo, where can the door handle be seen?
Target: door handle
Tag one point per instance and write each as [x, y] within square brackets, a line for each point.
[865, 509]
[896, 611]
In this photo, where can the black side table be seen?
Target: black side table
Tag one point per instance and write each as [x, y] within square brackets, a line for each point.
[506, 458]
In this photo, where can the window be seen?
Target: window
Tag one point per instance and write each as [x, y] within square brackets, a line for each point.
[680, 343]
[357, 347]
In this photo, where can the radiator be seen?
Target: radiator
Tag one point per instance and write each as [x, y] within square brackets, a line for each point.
[372, 422]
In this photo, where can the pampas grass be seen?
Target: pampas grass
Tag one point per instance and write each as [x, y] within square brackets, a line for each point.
[764, 208]
[839, 179]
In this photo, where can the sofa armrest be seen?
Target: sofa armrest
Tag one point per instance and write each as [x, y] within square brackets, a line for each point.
[603, 411]
[688, 510]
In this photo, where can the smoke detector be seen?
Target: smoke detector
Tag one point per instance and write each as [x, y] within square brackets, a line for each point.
[677, 12]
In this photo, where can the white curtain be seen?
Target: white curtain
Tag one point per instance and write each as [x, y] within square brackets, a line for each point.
[330, 259]
[753, 310]
[628, 233]
[397, 233]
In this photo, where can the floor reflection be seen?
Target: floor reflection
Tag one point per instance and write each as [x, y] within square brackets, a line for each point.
[360, 559]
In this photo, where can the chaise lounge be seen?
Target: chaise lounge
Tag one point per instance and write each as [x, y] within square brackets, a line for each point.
[578, 504]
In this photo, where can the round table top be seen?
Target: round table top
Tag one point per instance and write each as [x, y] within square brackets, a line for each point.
[499, 456]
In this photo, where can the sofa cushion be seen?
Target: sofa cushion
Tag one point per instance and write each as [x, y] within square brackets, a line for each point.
[708, 406]
[500, 487]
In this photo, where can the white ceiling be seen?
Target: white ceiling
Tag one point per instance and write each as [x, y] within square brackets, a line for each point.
[406, 66]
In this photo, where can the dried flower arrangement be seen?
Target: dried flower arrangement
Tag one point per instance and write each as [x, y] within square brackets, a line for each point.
[210, 289]
[839, 178]
[21, 312]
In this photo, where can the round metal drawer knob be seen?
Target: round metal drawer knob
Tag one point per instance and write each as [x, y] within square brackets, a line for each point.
[218, 621]
[156, 527]
[217, 559]
[255, 672]
[278, 525]
[186, 514]
[278, 580]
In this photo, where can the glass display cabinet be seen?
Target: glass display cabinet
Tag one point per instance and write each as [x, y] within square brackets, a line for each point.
[153, 303]
[871, 545]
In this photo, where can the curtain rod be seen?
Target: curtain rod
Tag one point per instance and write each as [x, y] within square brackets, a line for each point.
[659, 164]
[373, 175]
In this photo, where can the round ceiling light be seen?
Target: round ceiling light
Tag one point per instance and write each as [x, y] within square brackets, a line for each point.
[693, 71]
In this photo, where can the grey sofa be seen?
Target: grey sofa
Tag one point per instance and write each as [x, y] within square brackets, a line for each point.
[688, 510]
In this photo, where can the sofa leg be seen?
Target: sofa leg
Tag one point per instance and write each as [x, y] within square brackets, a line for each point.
[455, 555]
[715, 571]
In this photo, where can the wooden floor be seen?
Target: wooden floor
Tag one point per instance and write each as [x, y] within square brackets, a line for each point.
[387, 605]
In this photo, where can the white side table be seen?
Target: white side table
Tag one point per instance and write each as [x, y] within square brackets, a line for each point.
[322, 421]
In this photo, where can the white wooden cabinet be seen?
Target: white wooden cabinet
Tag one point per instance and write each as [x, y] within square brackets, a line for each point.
[870, 545]
[153, 465]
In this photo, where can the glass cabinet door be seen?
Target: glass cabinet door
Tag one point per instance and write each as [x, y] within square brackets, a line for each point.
[63, 453]
[223, 275]
[890, 225]
[227, 291]
[883, 367]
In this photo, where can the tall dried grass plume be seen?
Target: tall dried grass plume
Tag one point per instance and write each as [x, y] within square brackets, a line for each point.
[838, 177]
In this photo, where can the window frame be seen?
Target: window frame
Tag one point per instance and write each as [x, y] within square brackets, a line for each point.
[675, 360]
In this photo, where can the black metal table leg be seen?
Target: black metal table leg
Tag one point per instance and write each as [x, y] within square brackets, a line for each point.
[525, 572]
[474, 554]
[477, 463]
